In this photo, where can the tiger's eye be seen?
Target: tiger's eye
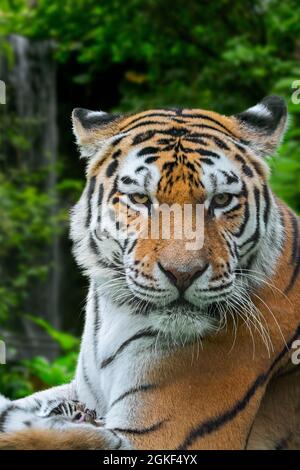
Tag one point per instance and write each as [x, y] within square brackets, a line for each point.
[222, 200]
[139, 198]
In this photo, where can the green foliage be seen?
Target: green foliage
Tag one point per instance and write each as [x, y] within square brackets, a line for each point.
[286, 171]
[23, 236]
[214, 54]
[29, 376]
[15, 382]
[54, 373]
[286, 165]
[66, 341]
[24, 208]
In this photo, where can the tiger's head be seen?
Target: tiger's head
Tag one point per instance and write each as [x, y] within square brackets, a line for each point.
[183, 158]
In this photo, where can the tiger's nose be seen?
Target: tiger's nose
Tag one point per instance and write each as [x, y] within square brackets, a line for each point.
[182, 280]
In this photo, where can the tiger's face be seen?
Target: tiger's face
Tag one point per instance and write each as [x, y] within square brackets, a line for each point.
[178, 159]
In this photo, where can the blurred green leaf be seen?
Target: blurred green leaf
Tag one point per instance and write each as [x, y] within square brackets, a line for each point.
[66, 341]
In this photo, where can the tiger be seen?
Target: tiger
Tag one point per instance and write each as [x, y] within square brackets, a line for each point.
[183, 347]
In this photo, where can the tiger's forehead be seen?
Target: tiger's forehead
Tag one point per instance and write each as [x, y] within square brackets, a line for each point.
[177, 172]
[178, 118]
[176, 153]
[171, 153]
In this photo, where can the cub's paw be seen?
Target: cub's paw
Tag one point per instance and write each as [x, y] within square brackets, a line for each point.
[75, 411]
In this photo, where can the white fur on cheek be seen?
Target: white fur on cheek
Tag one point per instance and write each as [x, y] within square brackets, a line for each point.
[146, 181]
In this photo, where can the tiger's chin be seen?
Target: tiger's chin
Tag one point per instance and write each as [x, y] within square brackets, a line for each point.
[181, 322]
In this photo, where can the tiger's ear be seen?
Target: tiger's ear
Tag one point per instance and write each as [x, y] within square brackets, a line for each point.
[92, 129]
[262, 126]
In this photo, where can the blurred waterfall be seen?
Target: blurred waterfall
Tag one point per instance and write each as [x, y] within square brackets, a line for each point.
[32, 80]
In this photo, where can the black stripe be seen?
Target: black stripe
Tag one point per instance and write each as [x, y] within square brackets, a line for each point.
[148, 151]
[232, 217]
[219, 142]
[206, 153]
[230, 177]
[247, 171]
[166, 113]
[51, 402]
[147, 123]
[116, 447]
[295, 256]
[100, 260]
[207, 126]
[128, 180]
[143, 137]
[228, 243]
[70, 410]
[257, 168]
[245, 167]
[4, 416]
[114, 188]
[132, 391]
[215, 289]
[267, 198]
[96, 325]
[207, 118]
[90, 192]
[37, 406]
[131, 248]
[235, 208]
[151, 159]
[207, 161]
[112, 168]
[255, 236]
[295, 232]
[146, 288]
[195, 138]
[174, 132]
[140, 168]
[116, 154]
[88, 382]
[246, 214]
[55, 411]
[213, 424]
[240, 147]
[100, 199]
[152, 428]
[141, 334]
[235, 249]
[118, 140]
